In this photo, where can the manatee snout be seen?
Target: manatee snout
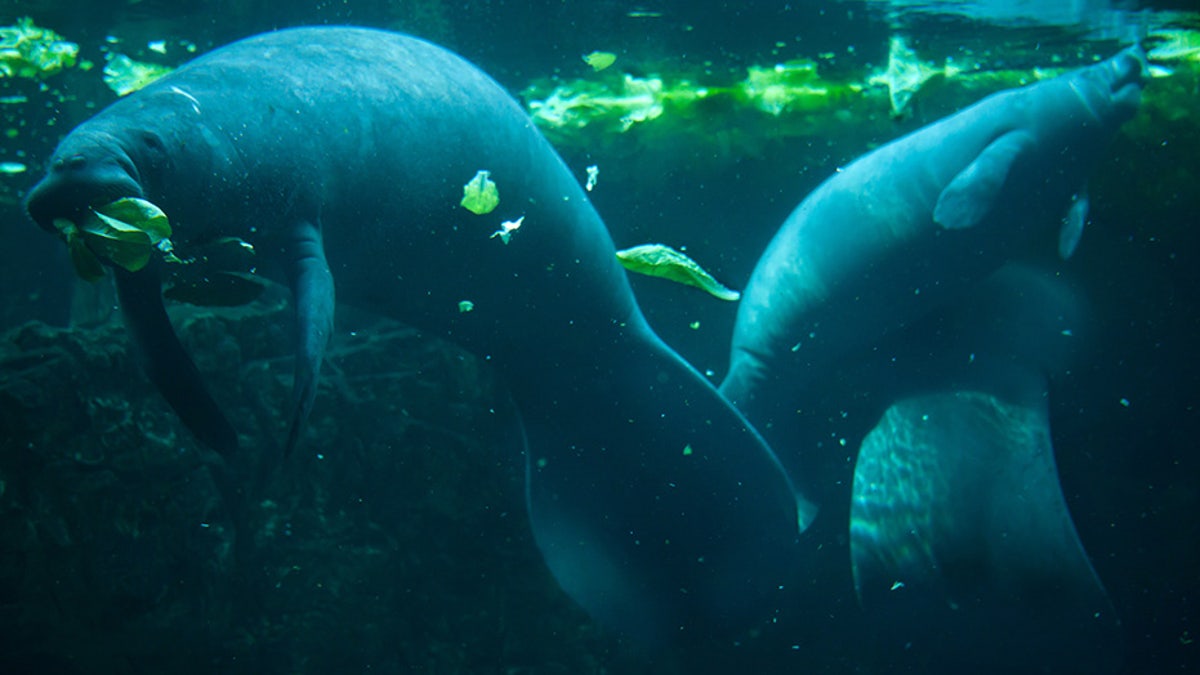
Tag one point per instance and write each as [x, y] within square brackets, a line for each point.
[1125, 71]
[75, 183]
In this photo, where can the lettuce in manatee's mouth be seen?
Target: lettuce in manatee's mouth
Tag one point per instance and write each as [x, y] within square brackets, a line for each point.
[123, 233]
[127, 232]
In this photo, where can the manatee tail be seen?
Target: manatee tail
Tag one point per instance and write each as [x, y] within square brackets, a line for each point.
[962, 546]
[961, 542]
[166, 362]
[313, 297]
[658, 508]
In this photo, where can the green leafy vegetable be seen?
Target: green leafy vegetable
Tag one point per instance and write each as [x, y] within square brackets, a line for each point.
[29, 51]
[480, 195]
[659, 260]
[123, 232]
[86, 264]
[138, 214]
[124, 75]
[906, 73]
[600, 60]
[789, 87]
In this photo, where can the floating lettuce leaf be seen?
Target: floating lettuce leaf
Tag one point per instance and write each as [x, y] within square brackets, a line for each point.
[1174, 45]
[794, 85]
[658, 260]
[906, 73]
[124, 75]
[29, 51]
[480, 195]
[600, 60]
[576, 104]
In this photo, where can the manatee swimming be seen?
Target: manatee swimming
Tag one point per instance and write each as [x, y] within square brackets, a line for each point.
[915, 222]
[961, 548]
[340, 156]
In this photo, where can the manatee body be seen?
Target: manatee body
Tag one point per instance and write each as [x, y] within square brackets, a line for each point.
[340, 154]
[913, 223]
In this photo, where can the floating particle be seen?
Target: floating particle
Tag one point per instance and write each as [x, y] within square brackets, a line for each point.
[507, 228]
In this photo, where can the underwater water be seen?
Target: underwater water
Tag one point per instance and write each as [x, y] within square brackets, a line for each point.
[395, 538]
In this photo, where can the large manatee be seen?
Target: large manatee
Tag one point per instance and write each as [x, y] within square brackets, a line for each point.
[340, 155]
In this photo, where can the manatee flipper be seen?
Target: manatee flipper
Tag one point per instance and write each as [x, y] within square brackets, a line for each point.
[1072, 228]
[654, 503]
[973, 193]
[313, 295]
[166, 362]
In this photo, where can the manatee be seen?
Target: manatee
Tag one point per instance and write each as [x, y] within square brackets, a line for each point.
[340, 154]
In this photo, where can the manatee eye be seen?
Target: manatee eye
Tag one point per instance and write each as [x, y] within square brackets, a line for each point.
[152, 141]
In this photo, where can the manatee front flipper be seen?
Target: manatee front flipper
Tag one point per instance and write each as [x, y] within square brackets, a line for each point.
[166, 362]
[974, 192]
[312, 293]
[654, 503]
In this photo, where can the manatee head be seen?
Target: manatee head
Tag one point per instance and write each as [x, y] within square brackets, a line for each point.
[88, 169]
[1112, 89]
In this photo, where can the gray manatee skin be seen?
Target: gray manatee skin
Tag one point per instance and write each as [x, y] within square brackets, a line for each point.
[340, 154]
[914, 223]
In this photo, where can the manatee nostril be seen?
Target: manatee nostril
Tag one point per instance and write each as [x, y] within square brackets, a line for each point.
[1126, 69]
[73, 162]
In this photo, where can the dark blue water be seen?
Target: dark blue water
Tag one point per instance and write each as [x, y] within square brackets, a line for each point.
[439, 574]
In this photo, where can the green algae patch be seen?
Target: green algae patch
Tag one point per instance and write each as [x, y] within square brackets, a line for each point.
[480, 194]
[29, 51]
[659, 260]
[124, 75]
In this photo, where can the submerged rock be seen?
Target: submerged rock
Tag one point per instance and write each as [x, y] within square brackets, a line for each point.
[394, 540]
